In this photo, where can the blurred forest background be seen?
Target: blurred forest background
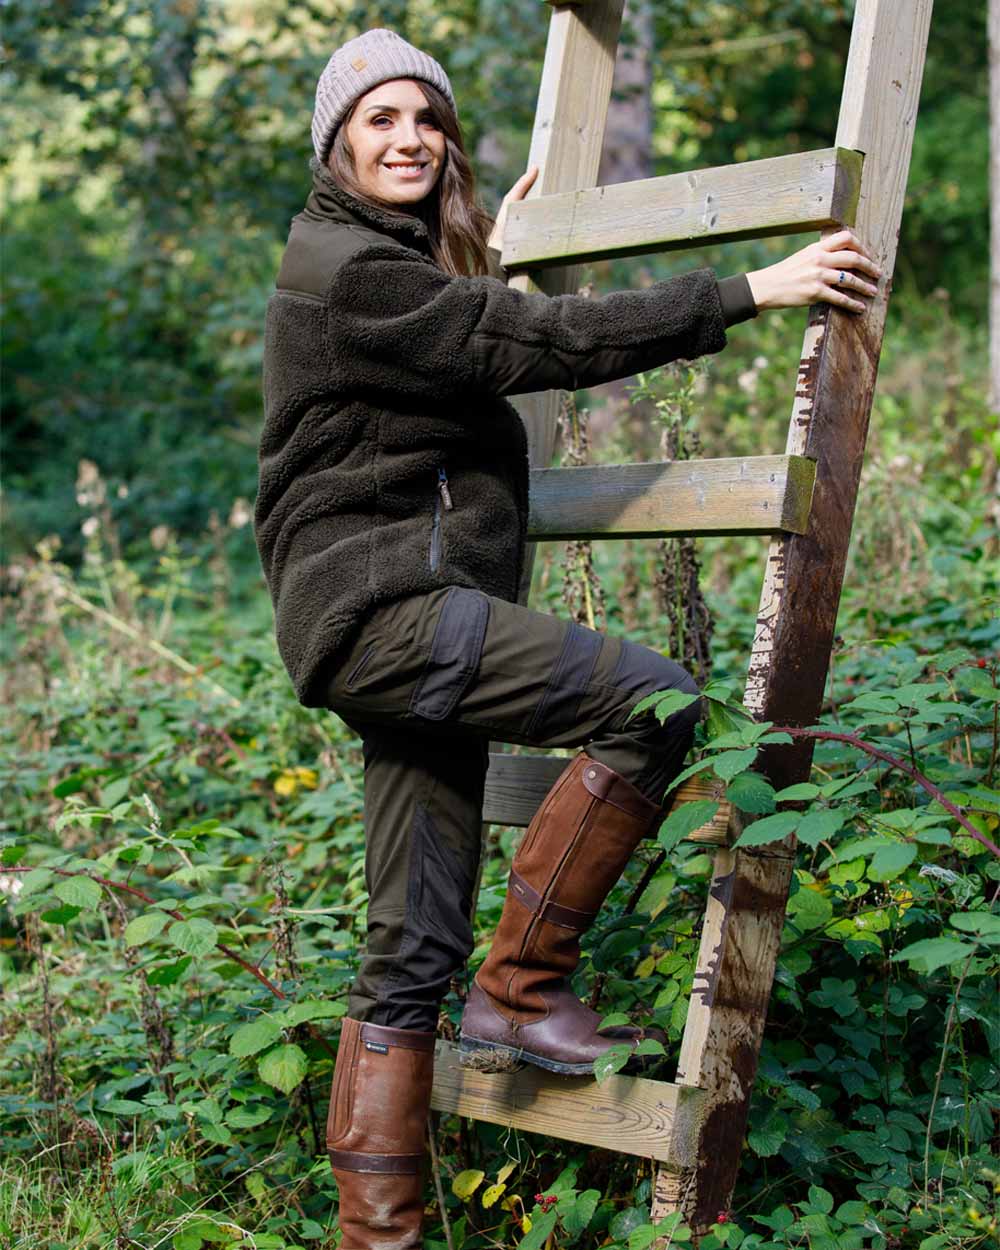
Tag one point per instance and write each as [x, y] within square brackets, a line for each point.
[155, 153]
[181, 842]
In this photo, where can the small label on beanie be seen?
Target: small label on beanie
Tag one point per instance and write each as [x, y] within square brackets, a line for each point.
[359, 63]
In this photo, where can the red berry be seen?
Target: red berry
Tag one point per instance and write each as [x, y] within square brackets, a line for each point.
[981, 662]
[722, 1217]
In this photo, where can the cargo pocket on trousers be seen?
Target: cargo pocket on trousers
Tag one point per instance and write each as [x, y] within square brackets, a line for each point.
[357, 672]
[456, 649]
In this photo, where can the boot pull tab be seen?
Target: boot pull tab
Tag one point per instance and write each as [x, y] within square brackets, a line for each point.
[610, 787]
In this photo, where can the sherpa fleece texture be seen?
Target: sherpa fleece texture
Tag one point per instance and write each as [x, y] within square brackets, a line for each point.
[381, 371]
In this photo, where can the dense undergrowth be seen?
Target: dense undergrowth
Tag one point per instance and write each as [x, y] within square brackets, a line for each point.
[183, 855]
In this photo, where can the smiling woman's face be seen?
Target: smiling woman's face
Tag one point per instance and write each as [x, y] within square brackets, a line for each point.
[398, 150]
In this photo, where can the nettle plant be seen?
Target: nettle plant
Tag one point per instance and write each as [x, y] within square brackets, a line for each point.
[169, 934]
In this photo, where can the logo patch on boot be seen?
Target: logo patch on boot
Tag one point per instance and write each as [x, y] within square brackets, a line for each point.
[379, 1047]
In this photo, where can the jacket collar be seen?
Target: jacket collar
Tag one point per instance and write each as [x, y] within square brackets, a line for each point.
[328, 199]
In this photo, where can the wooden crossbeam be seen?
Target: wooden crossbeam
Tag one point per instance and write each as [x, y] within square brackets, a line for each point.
[653, 1119]
[804, 191]
[748, 495]
[517, 784]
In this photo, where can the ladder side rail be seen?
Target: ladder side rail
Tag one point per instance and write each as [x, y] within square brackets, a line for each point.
[798, 609]
[566, 142]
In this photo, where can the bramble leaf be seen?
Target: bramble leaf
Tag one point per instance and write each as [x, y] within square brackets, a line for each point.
[251, 1038]
[284, 1067]
[684, 820]
[466, 1183]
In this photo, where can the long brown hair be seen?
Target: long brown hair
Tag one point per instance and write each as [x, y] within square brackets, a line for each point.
[456, 222]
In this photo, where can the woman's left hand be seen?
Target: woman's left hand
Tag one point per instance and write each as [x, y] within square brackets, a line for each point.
[517, 192]
[819, 271]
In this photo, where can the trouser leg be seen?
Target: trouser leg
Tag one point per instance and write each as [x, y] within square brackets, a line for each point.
[457, 661]
[423, 815]
[423, 804]
[641, 749]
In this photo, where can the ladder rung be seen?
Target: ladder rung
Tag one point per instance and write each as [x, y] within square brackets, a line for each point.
[654, 1119]
[749, 495]
[516, 785]
[804, 191]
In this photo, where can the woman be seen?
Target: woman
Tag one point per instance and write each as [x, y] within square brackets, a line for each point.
[391, 523]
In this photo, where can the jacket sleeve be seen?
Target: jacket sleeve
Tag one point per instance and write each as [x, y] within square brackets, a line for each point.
[398, 322]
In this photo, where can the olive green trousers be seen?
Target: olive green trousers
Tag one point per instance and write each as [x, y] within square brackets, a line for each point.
[429, 682]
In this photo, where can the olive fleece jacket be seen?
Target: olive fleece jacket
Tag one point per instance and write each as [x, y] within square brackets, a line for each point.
[390, 462]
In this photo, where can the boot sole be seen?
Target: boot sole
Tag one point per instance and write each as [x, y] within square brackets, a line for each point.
[479, 1056]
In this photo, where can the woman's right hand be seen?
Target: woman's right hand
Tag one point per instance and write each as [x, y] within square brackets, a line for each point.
[517, 192]
[812, 274]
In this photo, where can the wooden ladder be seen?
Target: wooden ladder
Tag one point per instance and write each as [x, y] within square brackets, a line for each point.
[804, 500]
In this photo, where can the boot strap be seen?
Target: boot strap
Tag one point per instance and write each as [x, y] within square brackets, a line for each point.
[610, 787]
[550, 912]
[379, 1037]
[359, 1161]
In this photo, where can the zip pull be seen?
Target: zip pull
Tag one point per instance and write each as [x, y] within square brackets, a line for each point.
[445, 492]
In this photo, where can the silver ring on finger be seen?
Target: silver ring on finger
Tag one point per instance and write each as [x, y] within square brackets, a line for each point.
[842, 280]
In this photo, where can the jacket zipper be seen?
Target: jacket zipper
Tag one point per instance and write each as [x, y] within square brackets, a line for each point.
[443, 500]
[444, 491]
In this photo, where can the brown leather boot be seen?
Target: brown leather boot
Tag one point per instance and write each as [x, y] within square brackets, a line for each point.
[521, 1006]
[375, 1134]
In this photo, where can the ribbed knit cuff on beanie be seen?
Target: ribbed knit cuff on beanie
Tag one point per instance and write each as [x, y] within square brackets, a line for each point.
[357, 66]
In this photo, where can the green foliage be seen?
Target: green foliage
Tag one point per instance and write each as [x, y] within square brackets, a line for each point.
[182, 845]
[157, 152]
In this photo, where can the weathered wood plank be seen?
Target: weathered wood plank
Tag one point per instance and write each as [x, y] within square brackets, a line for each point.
[653, 1119]
[748, 495]
[517, 784]
[744, 919]
[791, 194]
[798, 607]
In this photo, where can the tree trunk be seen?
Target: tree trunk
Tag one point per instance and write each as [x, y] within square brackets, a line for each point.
[628, 138]
[164, 148]
[626, 157]
[993, 21]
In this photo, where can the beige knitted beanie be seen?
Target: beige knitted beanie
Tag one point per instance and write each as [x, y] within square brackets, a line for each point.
[357, 66]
